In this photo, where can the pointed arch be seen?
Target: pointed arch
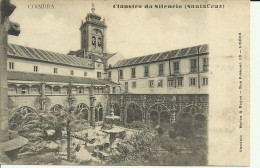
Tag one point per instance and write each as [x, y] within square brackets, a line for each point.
[200, 121]
[133, 112]
[192, 110]
[57, 109]
[159, 114]
[82, 111]
[22, 116]
[115, 107]
[99, 112]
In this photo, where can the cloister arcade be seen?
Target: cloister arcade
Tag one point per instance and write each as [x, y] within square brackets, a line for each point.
[50, 89]
[138, 109]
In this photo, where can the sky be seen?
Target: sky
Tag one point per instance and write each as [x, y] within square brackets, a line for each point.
[131, 32]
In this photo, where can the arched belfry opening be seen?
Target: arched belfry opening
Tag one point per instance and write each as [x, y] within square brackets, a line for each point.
[93, 34]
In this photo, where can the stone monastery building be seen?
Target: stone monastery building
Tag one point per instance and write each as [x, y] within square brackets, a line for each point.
[159, 87]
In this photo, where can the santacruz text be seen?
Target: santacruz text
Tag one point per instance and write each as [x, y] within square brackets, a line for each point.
[204, 6]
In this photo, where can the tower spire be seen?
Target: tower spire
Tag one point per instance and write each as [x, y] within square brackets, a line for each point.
[93, 8]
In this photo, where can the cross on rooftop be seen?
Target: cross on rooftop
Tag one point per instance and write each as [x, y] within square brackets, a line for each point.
[93, 8]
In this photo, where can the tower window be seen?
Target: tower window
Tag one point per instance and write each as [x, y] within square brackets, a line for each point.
[71, 72]
[99, 41]
[94, 41]
[35, 68]
[85, 73]
[11, 65]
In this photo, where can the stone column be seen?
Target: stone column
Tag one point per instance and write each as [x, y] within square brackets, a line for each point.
[144, 108]
[92, 103]
[7, 154]
[89, 38]
[3, 78]
[43, 96]
[104, 41]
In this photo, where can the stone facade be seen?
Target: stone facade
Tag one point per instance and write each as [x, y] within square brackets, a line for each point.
[175, 105]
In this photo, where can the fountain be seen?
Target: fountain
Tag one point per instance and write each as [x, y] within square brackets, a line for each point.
[110, 128]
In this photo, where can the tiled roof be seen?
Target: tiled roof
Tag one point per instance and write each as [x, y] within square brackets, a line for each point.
[19, 51]
[179, 53]
[25, 76]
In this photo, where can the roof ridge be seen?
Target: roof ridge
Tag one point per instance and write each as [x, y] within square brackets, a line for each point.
[180, 52]
[166, 51]
[21, 51]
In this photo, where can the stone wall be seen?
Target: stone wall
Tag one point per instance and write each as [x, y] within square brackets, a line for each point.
[174, 104]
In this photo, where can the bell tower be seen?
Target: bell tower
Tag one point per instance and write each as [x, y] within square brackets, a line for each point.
[93, 33]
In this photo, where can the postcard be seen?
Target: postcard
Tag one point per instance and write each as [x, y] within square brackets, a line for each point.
[125, 82]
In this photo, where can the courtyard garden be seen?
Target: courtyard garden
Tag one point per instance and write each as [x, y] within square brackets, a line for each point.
[64, 138]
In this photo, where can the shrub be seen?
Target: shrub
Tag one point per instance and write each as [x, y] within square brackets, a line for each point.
[172, 134]
[138, 149]
[160, 130]
[183, 127]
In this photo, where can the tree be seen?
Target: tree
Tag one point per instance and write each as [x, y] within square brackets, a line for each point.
[136, 150]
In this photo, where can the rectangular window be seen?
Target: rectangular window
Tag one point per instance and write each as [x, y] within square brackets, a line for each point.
[151, 83]
[176, 67]
[193, 65]
[71, 72]
[109, 75]
[160, 83]
[161, 69]
[23, 90]
[55, 70]
[192, 81]
[134, 84]
[85, 74]
[180, 81]
[171, 83]
[133, 73]
[35, 68]
[121, 76]
[11, 65]
[99, 75]
[204, 81]
[205, 64]
[146, 71]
